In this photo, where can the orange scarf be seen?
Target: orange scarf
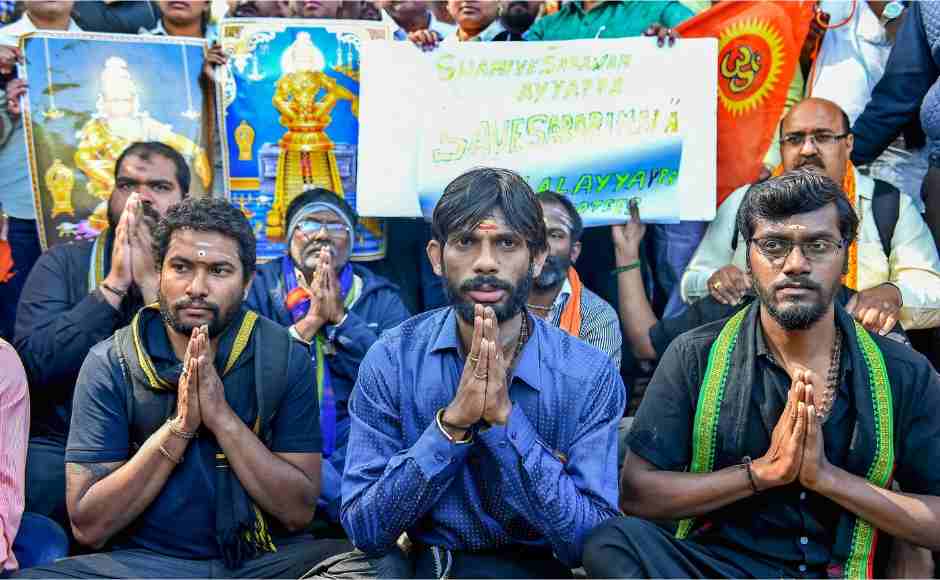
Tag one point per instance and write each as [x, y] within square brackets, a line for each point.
[6, 262]
[570, 320]
[848, 186]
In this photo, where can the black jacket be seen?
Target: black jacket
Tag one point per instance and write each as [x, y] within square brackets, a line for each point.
[57, 322]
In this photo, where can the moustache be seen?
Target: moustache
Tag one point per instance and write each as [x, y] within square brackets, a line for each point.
[479, 282]
[797, 282]
[186, 303]
[814, 161]
[317, 245]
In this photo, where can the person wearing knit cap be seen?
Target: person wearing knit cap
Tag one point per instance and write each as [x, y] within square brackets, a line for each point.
[336, 308]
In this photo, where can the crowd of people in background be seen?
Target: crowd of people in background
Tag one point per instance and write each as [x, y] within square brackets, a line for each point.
[508, 393]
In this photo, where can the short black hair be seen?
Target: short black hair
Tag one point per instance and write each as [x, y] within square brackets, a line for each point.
[207, 214]
[469, 198]
[144, 149]
[577, 224]
[320, 195]
[799, 191]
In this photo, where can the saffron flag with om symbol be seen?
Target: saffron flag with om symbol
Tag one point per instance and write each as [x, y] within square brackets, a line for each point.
[758, 52]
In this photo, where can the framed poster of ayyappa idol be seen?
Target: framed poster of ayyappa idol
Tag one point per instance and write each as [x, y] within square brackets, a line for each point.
[290, 106]
[92, 95]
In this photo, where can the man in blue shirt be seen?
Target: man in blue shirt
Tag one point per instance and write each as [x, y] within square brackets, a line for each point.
[180, 456]
[472, 430]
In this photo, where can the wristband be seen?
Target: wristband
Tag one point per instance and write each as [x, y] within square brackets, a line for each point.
[441, 423]
[620, 270]
[295, 334]
[166, 454]
[113, 290]
[750, 475]
[180, 433]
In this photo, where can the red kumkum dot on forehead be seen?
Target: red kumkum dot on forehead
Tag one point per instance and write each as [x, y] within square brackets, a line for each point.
[487, 225]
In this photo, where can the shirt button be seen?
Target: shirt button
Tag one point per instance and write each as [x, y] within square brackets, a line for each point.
[802, 567]
[804, 540]
[802, 495]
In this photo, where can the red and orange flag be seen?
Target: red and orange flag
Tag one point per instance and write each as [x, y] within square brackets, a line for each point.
[758, 52]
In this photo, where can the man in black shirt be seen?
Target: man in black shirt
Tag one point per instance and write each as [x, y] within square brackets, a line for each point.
[830, 413]
[77, 295]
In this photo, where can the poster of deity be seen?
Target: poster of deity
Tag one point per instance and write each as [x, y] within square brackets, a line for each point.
[92, 95]
[290, 106]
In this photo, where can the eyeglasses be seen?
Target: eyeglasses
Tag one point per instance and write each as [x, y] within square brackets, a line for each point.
[308, 227]
[778, 249]
[819, 139]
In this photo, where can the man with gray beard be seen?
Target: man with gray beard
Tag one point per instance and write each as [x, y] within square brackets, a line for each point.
[557, 294]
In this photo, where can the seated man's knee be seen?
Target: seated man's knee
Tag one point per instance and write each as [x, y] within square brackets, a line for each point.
[611, 542]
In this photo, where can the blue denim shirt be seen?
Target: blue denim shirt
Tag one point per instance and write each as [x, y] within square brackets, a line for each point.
[545, 479]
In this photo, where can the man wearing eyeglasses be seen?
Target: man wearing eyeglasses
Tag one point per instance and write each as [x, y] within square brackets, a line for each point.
[774, 436]
[901, 284]
[336, 308]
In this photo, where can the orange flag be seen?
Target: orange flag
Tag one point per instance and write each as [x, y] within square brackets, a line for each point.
[758, 52]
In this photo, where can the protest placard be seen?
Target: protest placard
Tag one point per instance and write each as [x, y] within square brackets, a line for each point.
[602, 121]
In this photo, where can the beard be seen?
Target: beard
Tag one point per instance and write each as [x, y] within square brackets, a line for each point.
[795, 314]
[221, 318]
[516, 16]
[554, 272]
[515, 302]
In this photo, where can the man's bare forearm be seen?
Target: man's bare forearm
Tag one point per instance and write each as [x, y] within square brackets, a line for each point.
[653, 494]
[279, 487]
[636, 314]
[910, 517]
[103, 499]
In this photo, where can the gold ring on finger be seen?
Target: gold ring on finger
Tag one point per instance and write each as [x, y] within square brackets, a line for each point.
[474, 359]
[717, 285]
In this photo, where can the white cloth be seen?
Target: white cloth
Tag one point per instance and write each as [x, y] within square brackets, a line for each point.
[11, 33]
[914, 266]
[851, 61]
[852, 57]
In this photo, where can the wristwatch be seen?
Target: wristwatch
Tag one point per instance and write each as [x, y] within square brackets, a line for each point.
[892, 11]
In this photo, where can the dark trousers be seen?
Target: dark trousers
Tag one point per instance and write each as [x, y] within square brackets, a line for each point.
[293, 557]
[634, 548]
[45, 479]
[432, 562]
[25, 250]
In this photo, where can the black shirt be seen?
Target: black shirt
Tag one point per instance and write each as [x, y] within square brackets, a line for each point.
[58, 320]
[789, 526]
